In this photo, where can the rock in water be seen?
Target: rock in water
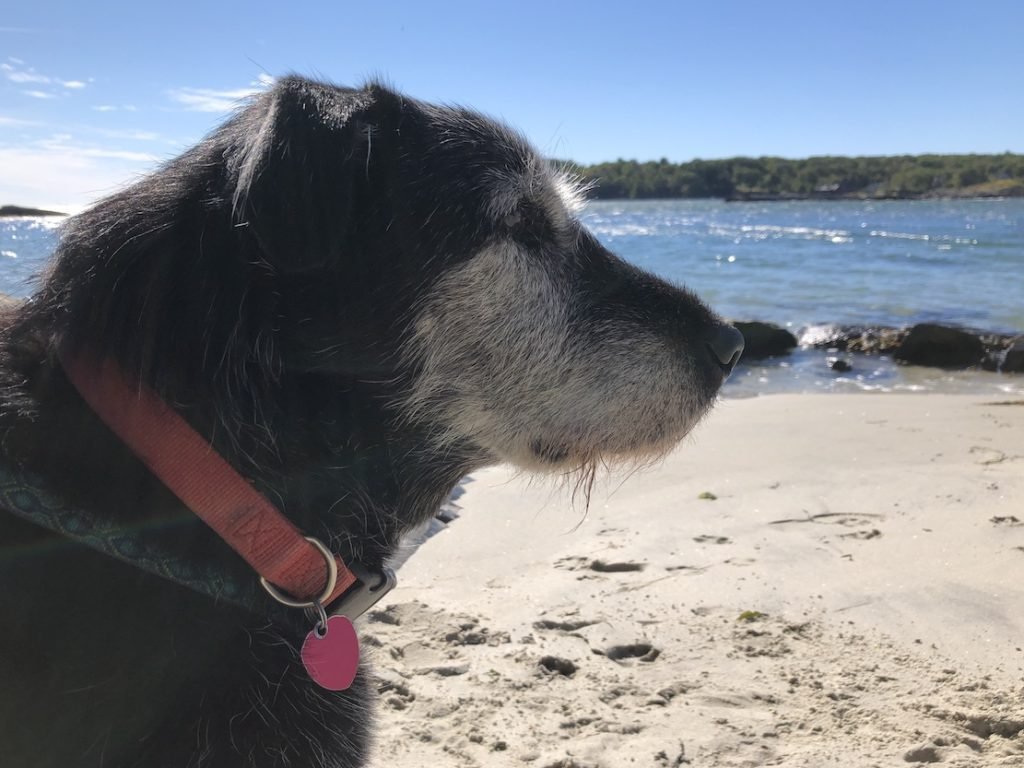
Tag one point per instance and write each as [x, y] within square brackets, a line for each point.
[764, 339]
[940, 346]
[1013, 361]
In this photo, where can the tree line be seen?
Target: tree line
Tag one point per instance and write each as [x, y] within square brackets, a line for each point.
[901, 176]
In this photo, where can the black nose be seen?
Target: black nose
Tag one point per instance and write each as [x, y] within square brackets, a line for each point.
[725, 344]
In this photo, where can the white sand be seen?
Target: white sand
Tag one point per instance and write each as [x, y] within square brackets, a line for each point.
[882, 537]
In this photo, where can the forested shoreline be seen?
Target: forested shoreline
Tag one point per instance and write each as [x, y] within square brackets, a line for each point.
[775, 178]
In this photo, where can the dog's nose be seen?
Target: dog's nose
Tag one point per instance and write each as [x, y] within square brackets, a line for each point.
[725, 344]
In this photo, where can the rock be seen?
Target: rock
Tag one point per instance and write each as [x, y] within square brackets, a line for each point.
[924, 344]
[868, 340]
[18, 210]
[940, 346]
[926, 753]
[877, 341]
[764, 339]
[558, 666]
[1013, 360]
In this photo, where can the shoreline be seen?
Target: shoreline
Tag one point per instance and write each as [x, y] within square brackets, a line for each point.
[856, 197]
[30, 212]
[849, 587]
[24, 212]
[811, 371]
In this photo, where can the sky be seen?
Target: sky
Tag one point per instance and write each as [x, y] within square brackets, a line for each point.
[95, 94]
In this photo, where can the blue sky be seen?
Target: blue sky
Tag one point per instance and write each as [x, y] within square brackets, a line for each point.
[93, 94]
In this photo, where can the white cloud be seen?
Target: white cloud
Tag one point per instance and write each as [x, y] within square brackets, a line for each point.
[120, 154]
[212, 100]
[26, 77]
[62, 172]
[67, 177]
[4, 120]
[62, 142]
[209, 100]
[113, 108]
[128, 134]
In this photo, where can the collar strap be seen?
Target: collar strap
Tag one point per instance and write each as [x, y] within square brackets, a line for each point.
[188, 465]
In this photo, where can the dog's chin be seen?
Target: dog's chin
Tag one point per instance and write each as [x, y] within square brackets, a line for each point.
[550, 454]
[554, 456]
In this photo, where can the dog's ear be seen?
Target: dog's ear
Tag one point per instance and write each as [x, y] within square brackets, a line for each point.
[296, 158]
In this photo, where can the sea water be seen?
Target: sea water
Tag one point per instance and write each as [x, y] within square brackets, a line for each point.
[797, 264]
[804, 264]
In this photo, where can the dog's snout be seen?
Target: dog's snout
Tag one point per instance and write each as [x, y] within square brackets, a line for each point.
[725, 344]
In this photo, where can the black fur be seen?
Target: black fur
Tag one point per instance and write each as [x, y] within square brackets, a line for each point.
[262, 283]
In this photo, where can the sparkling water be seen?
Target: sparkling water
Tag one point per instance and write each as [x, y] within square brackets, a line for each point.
[798, 264]
[808, 263]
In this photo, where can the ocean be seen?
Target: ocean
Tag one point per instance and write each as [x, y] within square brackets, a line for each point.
[798, 264]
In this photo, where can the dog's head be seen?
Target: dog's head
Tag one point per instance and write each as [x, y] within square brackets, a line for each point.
[371, 239]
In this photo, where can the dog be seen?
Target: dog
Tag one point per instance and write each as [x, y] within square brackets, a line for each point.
[354, 298]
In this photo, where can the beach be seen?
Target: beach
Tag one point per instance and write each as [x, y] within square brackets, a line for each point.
[807, 580]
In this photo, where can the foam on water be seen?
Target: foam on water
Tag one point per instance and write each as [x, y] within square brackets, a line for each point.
[809, 370]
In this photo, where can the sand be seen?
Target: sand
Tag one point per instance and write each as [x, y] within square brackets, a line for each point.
[808, 580]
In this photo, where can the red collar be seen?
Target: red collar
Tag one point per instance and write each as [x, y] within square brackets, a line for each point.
[186, 463]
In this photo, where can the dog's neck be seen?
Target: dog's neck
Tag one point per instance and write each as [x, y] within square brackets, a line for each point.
[299, 406]
[335, 465]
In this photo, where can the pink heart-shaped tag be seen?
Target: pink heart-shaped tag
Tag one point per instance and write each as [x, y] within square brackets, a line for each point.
[332, 659]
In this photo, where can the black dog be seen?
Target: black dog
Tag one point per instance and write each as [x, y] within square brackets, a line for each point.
[356, 298]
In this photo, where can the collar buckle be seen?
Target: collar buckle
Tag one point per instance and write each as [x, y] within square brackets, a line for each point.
[365, 593]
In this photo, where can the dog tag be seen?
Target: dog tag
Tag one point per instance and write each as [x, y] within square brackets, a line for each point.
[332, 659]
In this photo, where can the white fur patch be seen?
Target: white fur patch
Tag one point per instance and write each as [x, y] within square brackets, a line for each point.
[560, 194]
[572, 191]
[504, 365]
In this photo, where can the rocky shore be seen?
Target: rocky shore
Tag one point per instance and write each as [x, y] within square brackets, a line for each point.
[10, 211]
[927, 344]
[986, 191]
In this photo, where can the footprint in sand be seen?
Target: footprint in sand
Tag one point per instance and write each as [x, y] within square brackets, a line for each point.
[712, 539]
[394, 692]
[831, 518]
[555, 665]
[602, 567]
[874, 533]
[987, 456]
[634, 651]
[740, 562]
[563, 626]
[687, 568]
[576, 563]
